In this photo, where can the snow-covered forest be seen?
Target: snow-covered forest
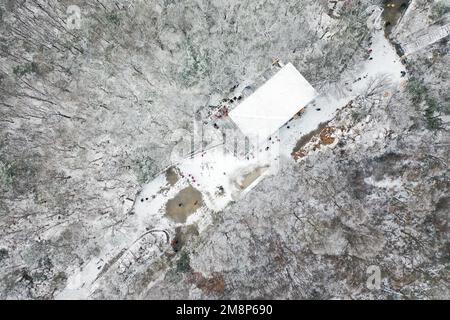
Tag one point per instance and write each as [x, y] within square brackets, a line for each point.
[97, 96]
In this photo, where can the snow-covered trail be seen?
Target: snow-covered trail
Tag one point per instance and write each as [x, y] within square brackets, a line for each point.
[212, 169]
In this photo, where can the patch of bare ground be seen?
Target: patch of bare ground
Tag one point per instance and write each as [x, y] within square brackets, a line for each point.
[212, 285]
[307, 138]
[250, 177]
[172, 176]
[185, 203]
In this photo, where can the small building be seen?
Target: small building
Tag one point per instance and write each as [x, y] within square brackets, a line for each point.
[273, 104]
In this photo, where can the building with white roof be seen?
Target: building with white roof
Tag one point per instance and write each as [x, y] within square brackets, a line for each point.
[273, 104]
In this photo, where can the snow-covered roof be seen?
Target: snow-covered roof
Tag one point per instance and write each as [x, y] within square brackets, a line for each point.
[273, 104]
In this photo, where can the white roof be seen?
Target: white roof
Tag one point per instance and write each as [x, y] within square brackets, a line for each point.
[273, 104]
